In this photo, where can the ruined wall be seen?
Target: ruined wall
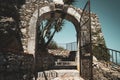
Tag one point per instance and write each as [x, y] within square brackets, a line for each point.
[29, 15]
[28, 9]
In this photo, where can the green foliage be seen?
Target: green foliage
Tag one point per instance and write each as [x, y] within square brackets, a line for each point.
[101, 52]
[53, 45]
[69, 2]
[47, 29]
[60, 47]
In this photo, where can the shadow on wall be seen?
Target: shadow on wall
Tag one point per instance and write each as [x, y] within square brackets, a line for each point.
[9, 24]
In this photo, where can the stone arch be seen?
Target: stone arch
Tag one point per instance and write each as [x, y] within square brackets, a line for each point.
[72, 14]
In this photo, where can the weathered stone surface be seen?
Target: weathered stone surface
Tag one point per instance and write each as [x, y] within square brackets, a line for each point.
[59, 52]
[29, 16]
[105, 71]
[60, 75]
[10, 62]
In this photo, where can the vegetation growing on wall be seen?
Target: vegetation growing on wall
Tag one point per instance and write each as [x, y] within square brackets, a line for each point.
[101, 52]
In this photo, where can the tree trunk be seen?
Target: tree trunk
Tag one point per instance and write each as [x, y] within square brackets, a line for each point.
[50, 38]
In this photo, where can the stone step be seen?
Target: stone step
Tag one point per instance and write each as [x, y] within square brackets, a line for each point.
[63, 74]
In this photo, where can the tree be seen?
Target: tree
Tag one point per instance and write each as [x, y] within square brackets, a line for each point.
[69, 2]
[53, 45]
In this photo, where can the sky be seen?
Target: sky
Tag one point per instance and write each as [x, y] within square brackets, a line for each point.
[109, 17]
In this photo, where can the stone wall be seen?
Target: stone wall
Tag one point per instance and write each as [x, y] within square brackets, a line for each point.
[105, 71]
[28, 7]
[15, 62]
[26, 13]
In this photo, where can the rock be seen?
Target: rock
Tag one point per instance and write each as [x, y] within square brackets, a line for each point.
[58, 1]
[94, 59]
[105, 72]
[23, 30]
[28, 10]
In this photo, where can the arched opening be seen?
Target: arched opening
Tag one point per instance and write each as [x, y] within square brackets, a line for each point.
[41, 44]
[66, 35]
[44, 13]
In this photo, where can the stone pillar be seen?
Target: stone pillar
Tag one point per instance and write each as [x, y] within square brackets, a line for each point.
[78, 52]
[32, 34]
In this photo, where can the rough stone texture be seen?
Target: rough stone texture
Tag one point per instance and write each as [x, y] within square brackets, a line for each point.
[105, 71]
[60, 75]
[29, 16]
[37, 11]
[13, 62]
[9, 34]
[97, 35]
[59, 52]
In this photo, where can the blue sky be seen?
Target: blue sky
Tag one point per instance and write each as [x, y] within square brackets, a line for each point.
[109, 17]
